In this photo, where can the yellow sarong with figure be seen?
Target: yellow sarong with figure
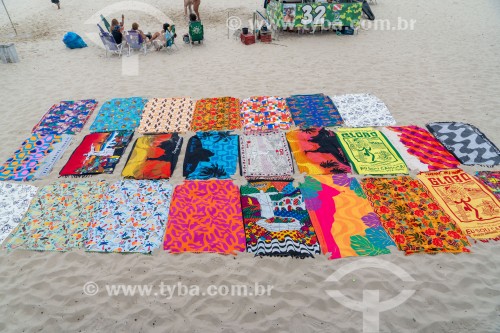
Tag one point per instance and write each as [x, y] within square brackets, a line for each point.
[369, 152]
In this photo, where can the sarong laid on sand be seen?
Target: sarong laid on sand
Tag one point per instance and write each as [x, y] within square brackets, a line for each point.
[412, 217]
[119, 114]
[153, 157]
[131, 217]
[317, 151]
[14, 202]
[167, 115]
[276, 221]
[363, 110]
[469, 145]
[419, 149]
[36, 157]
[265, 113]
[216, 114]
[211, 155]
[369, 152]
[469, 203]
[205, 216]
[59, 216]
[98, 153]
[67, 117]
[492, 180]
[265, 156]
[343, 218]
[315, 110]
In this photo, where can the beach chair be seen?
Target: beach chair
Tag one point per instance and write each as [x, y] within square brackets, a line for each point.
[135, 42]
[106, 23]
[109, 43]
[196, 32]
[170, 38]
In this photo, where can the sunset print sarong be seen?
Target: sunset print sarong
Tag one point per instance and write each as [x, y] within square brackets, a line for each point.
[412, 217]
[276, 220]
[132, 217]
[59, 216]
[343, 218]
[205, 216]
[216, 114]
[469, 203]
[317, 151]
[420, 149]
[369, 152]
[98, 153]
[153, 157]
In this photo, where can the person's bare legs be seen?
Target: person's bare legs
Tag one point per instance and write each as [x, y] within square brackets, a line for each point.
[196, 6]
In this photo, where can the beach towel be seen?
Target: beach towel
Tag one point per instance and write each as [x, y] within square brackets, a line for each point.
[205, 216]
[164, 115]
[419, 149]
[469, 145]
[131, 218]
[35, 158]
[363, 110]
[216, 114]
[369, 152]
[59, 216]
[342, 217]
[265, 156]
[315, 110]
[14, 202]
[98, 153]
[66, 117]
[153, 157]
[492, 180]
[317, 151]
[469, 203]
[211, 155]
[276, 221]
[119, 114]
[412, 216]
[265, 113]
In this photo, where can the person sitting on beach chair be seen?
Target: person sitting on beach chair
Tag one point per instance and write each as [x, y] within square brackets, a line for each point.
[165, 38]
[116, 29]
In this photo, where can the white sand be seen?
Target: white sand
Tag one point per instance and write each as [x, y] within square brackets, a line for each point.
[446, 69]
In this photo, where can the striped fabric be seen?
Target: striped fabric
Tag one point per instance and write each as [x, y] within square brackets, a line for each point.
[421, 144]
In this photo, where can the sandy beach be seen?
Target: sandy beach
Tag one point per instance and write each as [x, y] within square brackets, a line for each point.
[445, 69]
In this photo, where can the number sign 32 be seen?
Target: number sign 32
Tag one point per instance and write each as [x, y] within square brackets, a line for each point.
[318, 17]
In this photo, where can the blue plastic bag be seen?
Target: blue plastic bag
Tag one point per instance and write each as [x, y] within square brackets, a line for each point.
[73, 41]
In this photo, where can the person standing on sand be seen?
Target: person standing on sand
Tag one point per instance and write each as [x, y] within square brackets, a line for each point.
[196, 6]
[57, 3]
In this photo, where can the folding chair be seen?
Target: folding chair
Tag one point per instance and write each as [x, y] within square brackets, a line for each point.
[110, 43]
[135, 42]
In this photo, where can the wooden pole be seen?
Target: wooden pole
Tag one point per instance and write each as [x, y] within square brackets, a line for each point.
[9, 17]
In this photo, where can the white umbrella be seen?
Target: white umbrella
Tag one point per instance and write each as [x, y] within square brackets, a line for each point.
[9, 17]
